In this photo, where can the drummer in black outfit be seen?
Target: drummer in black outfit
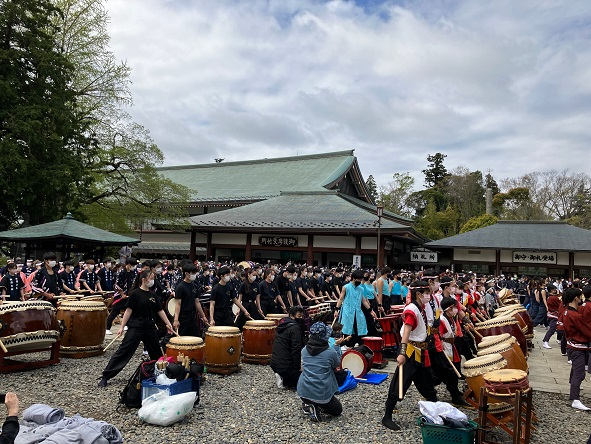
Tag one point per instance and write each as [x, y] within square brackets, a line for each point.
[143, 307]
[247, 294]
[222, 296]
[187, 303]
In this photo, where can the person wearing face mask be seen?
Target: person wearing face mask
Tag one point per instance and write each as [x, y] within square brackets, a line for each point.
[577, 328]
[413, 354]
[247, 294]
[187, 304]
[302, 287]
[349, 310]
[68, 277]
[383, 287]
[222, 296]
[286, 360]
[123, 285]
[89, 279]
[444, 355]
[268, 300]
[283, 284]
[143, 308]
[46, 283]
[107, 275]
[326, 287]
[12, 286]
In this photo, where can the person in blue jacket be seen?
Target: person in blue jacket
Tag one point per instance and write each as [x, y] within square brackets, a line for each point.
[317, 385]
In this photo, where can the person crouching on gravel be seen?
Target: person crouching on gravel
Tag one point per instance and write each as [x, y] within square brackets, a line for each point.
[318, 384]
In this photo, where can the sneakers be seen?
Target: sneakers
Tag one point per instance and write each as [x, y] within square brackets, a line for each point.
[108, 332]
[579, 405]
[563, 354]
[305, 408]
[102, 383]
[388, 423]
[569, 362]
[546, 345]
[314, 413]
[125, 328]
[279, 381]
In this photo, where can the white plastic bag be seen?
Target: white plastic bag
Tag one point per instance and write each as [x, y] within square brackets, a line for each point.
[161, 409]
[435, 410]
[163, 380]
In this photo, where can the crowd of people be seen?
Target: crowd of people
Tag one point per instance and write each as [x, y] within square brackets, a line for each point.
[440, 310]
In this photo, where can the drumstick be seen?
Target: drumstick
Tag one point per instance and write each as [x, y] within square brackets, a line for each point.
[453, 366]
[3, 347]
[110, 343]
[477, 334]
[400, 382]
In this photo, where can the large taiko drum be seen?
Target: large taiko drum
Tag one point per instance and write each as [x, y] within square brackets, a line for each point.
[502, 324]
[30, 325]
[387, 323]
[376, 345]
[510, 351]
[357, 360]
[223, 346]
[258, 341]
[83, 325]
[502, 383]
[491, 341]
[319, 309]
[275, 317]
[517, 316]
[191, 346]
[475, 368]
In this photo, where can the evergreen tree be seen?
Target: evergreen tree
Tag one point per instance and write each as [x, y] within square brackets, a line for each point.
[41, 140]
[372, 188]
[435, 173]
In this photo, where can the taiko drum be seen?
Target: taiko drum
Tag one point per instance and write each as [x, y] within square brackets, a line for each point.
[223, 346]
[258, 336]
[83, 325]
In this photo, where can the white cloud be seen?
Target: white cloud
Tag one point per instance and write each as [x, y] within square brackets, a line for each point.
[501, 85]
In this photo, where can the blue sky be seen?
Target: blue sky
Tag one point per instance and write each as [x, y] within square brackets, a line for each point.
[500, 85]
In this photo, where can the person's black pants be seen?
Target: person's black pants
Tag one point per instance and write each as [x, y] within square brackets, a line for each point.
[370, 321]
[412, 372]
[140, 330]
[386, 303]
[441, 367]
[332, 407]
[551, 329]
[268, 306]
[290, 377]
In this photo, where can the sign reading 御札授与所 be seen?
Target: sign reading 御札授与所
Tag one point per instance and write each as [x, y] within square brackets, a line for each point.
[534, 257]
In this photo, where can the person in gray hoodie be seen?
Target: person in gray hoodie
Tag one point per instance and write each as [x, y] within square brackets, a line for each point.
[317, 385]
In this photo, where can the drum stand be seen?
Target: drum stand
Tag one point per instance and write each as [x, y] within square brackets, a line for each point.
[521, 417]
[11, 365]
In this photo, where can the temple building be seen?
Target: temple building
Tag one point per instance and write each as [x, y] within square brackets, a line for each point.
[314, 209]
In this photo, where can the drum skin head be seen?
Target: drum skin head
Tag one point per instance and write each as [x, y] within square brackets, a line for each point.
[185, 340]
[355, 362]
[484, 364]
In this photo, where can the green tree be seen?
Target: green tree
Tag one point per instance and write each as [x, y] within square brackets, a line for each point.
[465, 191]
[372, 188]
[517, 204]
[438, 224]
[484, 220]
[394, 196]
[122, 187]
[41, 139]
[435, 173]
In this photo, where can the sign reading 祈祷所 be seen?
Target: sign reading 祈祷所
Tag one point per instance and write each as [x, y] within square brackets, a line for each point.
[535, 257]
[274, 241]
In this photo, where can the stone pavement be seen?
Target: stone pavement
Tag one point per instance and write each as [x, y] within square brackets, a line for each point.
[548, 369]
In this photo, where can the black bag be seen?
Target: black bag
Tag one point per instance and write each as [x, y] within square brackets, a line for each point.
[131, 395]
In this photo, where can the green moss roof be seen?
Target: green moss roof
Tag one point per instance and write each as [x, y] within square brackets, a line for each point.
[260, 179]
[66, 228]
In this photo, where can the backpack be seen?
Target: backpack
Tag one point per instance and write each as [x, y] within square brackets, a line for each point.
[131, 395]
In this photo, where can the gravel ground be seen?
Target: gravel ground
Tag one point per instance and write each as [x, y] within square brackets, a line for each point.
[247, 407]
